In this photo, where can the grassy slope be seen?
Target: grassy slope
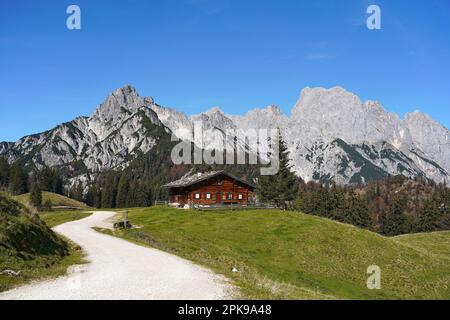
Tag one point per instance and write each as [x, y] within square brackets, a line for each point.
[39, 268]
[56, 199]
[29, 246]
[434, 243]
[295, 256]
[55, 218]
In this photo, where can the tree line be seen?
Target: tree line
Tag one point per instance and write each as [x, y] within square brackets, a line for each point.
[393, 206]
[15, 179]
[114, 189]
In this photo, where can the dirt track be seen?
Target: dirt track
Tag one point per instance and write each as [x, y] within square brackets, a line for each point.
[119, 269]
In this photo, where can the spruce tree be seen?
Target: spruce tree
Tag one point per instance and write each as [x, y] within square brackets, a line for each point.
[109, 191]
[142, 195]
[76, 192]
[279, 189]
[394, 222]
[36, 196]
[47, 205]
[122, 191]
[93, 196]
[50, 180]
[18, 183]
[4, 173]
[433, 210]
[356, 212]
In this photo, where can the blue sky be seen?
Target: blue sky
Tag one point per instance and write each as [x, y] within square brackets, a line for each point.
[237, 54]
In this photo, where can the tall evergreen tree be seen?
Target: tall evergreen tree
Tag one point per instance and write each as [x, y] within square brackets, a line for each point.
[50, 180]
[123, 189]
[93, 196]
[356, 211]
[434, 209]
[77, 192]
[279, 189]
[4, 173]
[142, 194]
[18, 181]
[394, 222]
[109, 190]
[36, 196]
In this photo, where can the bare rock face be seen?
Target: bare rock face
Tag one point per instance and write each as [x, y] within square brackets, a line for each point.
[397, 146]
[429, 138]
[332, 136]
[176, 121]
[269, 117]
[116, 131]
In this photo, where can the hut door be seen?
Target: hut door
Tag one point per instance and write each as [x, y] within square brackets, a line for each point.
[218, 197]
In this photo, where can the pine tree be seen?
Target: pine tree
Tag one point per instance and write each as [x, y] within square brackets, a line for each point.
[356, 212]
[47, 206]
[93, 196]
[433, 210]
[142, 195]
[50, 180]
[394, 222]
[36, 196]
[122, 191]
[298, 203]
[56, 182]
[109, 191]
[279, 189]
[18, 183]
[76, 192]
[4, 173]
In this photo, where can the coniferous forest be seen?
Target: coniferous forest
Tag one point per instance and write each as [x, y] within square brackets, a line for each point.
[392, 206]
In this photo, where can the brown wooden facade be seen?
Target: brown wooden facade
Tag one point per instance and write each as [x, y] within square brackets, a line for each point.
[219, 189]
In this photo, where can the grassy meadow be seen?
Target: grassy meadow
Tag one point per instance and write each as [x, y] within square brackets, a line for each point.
[57, 200]
[55, 218]
[288, 255]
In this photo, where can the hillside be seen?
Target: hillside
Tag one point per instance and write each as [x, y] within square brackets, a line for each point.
[28, 246]
[433, 243]
[56, 199]
[289, 255]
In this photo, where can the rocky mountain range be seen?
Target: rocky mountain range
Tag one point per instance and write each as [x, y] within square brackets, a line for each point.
[331, 134]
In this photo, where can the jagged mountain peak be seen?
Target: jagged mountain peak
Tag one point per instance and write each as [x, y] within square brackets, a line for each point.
[125, 98]
[326, 101]
[262, 118]
[418, 115]
[271, 109]
[126, 90]
[213, 118]
[332, 134]
[213, 111]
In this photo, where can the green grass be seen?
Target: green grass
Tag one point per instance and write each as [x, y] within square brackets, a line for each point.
[55, 218]
[28, 245]
[434, 243]
[56, 199]
[287, 255]
[39, 268]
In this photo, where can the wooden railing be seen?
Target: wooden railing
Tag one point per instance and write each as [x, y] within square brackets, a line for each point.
[233, 206]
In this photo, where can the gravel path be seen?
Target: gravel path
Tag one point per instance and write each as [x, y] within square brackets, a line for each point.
[119, 269]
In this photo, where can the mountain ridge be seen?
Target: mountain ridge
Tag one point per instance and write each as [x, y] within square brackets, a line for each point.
[114, 133]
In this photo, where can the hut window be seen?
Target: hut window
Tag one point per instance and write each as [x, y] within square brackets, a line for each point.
[197, 195]
[240, 196]
[219, 180]
[230, 196]
[208, 195]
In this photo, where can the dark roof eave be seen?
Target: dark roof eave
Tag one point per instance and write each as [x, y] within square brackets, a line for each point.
[168, 186]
